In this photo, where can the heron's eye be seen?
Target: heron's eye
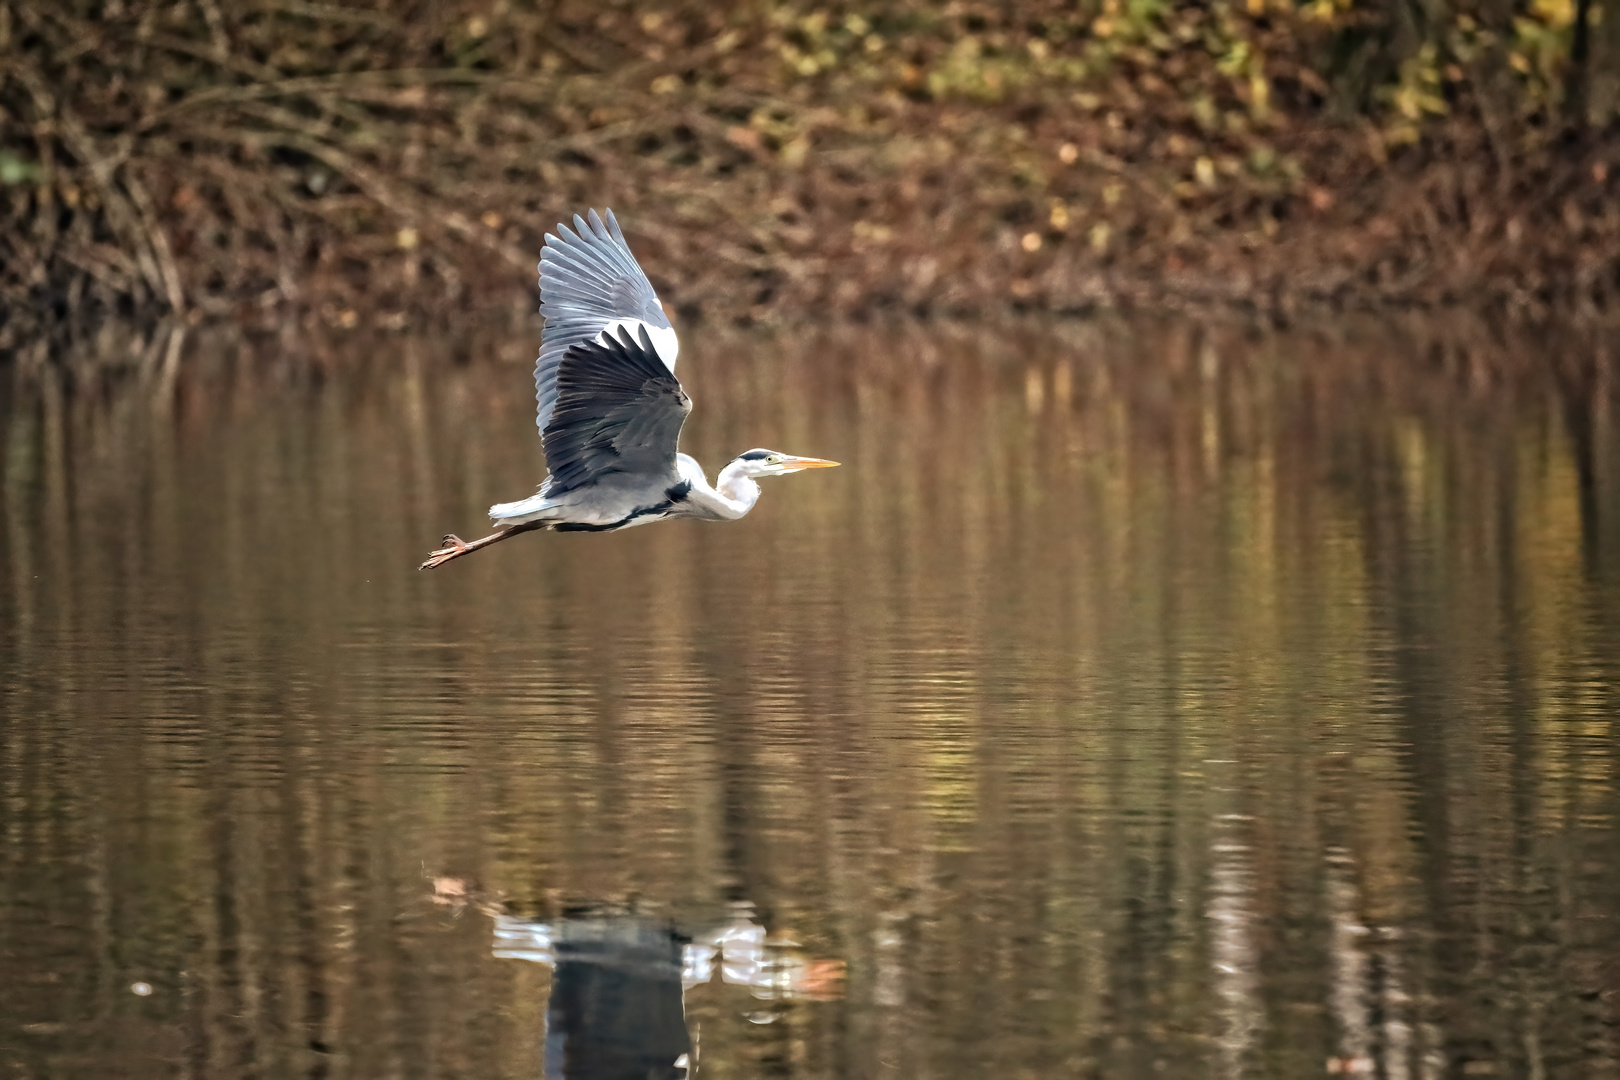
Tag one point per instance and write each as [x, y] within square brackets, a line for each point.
[774, 459]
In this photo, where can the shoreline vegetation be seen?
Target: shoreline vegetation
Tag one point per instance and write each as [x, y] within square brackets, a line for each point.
[389, 163]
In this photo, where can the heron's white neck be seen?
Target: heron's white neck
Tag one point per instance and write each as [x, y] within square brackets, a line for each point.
[737, 488]
[730, 498]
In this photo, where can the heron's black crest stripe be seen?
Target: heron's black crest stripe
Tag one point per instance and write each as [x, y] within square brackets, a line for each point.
[755, 455]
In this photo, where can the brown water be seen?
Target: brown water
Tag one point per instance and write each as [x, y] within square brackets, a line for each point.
[1173, 703]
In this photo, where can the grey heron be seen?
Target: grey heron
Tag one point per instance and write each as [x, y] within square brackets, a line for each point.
[610, 408]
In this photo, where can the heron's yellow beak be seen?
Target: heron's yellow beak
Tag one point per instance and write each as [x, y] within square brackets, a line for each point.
[794, 464]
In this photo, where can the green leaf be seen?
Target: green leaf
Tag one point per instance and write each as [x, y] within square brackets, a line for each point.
[15, 170]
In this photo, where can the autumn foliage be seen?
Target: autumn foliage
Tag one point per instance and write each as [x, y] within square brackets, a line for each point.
[384, 161]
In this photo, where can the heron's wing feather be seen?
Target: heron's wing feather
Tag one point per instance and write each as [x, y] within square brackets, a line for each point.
[618, 409]
[589, 282]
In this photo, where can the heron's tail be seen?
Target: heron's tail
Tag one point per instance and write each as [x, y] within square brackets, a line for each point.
[534, 508]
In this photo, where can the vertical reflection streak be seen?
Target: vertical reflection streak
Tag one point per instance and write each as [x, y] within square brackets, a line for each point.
[1233, 954]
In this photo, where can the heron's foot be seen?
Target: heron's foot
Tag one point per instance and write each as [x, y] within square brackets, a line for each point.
[454, 547]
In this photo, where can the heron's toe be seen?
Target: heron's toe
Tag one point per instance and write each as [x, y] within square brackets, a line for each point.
[453, 546]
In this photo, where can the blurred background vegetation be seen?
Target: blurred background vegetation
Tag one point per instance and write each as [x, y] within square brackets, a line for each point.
[388, 161]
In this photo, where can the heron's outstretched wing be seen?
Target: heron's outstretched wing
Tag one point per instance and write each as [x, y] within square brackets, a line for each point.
[618, 410]
[589, 282]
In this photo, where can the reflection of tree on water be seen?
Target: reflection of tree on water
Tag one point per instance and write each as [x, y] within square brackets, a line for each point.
[617, 1009]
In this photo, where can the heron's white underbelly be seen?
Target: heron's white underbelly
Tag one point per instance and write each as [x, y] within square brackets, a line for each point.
[516, 513]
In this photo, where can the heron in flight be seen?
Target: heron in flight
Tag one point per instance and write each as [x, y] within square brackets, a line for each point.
[610, 408]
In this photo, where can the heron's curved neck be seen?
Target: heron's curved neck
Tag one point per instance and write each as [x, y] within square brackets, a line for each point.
[737, 488]
[733, 495]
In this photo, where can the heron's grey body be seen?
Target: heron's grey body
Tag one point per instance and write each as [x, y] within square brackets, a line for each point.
[609, 406]
[614, 418]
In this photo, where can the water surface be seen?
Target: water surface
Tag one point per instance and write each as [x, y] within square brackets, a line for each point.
[1169, 701]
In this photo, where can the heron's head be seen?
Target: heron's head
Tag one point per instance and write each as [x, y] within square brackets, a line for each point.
[758, 463]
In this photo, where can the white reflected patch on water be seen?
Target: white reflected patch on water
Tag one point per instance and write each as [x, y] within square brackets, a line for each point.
[771, 969]
[1233, 955]
[1369, 1000]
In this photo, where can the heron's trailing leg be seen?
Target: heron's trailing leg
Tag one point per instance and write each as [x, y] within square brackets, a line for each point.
[455, 547]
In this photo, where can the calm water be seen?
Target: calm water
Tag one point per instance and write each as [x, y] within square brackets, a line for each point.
[1177, 703]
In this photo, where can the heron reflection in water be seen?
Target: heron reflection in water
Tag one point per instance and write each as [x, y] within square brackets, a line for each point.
[610, 407]
[617, 1008]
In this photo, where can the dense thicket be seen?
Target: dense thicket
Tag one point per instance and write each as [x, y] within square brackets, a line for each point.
[375, 161]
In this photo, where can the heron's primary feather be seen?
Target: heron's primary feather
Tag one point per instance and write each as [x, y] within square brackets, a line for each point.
[591, 284]
[617, 416]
